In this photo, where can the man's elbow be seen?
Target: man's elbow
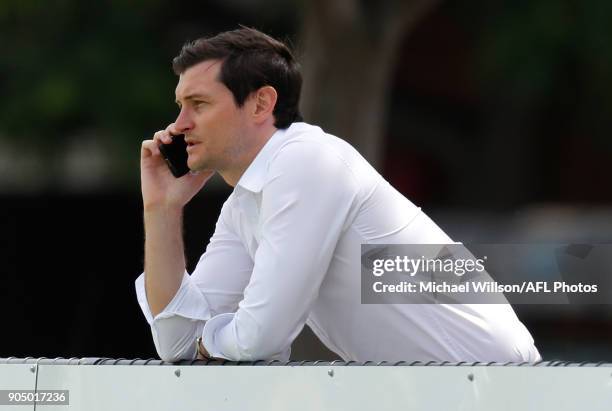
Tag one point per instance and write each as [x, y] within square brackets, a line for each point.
[172, 352]
[262, 348]
[174, 338]
[240, 337]
[169, 356]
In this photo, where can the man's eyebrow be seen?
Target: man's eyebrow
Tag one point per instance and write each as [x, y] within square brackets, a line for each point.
[194, 96]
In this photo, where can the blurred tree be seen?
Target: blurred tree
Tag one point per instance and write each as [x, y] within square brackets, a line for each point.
[73, 72]
[350, 48]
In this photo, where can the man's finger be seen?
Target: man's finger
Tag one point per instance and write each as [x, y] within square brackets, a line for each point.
[173, 130]
[149, 148]
[162, 137]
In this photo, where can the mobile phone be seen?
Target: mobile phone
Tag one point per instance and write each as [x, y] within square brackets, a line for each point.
[175, 155]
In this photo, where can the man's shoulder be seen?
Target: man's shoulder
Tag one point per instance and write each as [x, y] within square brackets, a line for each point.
[306, 152]
[303, 133]
[306, 142]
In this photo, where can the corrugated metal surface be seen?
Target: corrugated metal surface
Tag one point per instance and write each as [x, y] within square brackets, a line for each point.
[153, 361]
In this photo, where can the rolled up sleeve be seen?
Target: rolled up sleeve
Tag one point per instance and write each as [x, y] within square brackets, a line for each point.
[216, 286]
[188, 302]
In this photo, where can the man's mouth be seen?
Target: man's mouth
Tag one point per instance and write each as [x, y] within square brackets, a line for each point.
[191, 143]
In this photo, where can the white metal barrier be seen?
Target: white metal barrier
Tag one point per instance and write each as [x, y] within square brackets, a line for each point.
[103, 384]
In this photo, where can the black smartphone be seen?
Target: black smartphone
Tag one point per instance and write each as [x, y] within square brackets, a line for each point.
[175, 155]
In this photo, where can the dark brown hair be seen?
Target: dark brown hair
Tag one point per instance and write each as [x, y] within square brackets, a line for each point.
[250, 60]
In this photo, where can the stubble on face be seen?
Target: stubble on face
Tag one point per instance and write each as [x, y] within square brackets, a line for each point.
[217, 125]
[221, 148]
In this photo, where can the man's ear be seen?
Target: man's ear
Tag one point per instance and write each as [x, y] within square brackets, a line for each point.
[264, 103]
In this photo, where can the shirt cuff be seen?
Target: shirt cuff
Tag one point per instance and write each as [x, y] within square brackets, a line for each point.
[213, 336]
[209, 333]
[188, 302]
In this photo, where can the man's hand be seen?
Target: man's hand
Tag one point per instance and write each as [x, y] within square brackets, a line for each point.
[160, 189]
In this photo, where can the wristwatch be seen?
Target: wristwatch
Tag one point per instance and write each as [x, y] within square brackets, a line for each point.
[200, 354]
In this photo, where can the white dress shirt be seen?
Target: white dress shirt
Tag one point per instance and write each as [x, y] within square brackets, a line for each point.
[286, 251]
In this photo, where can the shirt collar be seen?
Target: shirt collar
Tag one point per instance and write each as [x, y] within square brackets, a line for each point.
[254, 176]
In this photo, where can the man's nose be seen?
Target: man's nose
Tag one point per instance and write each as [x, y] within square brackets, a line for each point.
[183, 122]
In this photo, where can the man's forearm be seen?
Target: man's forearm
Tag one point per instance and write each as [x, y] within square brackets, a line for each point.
[164, 256]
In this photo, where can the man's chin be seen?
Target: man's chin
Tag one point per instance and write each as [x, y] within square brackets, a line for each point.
[193, 163]
[198, 165]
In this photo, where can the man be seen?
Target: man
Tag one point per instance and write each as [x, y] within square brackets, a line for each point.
[286, 247]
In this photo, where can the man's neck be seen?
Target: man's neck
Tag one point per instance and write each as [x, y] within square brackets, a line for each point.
[232, 175]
